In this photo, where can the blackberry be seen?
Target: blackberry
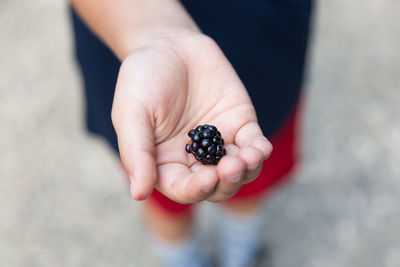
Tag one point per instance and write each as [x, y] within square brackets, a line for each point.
[207, 144]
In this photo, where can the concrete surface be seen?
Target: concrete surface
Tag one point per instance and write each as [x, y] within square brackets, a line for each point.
[64, 202]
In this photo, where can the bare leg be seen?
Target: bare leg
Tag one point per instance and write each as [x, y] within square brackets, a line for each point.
[245, 206]
[174, 239]
[172, 228]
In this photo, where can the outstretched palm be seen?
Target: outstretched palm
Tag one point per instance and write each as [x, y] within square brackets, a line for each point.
[162, 93]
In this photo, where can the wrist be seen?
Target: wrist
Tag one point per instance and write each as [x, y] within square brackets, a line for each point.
[131, 24]
[155, 36]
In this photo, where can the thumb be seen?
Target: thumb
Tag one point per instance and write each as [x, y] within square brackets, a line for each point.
[135, 133]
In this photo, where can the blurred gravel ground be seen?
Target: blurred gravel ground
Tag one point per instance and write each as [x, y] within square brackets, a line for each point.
[63, 199]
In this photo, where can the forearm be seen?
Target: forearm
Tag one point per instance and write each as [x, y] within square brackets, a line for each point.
[125, 25]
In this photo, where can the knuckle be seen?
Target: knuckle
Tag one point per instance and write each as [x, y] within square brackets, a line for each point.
[208, 41]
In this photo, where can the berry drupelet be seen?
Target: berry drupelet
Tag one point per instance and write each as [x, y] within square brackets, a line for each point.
[207, 144]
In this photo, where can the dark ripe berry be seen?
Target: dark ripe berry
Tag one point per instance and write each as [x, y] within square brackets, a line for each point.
[210, 158]
[216, 139]
[212, 128]
[195, 146]
[219, 150]
[188, 148]
[212, 149]
[201, 152]
[192, 133]
[206, 142]
[199, 128]
[196, 137]
[207, 145]
[206, 133]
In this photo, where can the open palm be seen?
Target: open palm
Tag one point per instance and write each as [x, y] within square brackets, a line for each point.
[165, 90]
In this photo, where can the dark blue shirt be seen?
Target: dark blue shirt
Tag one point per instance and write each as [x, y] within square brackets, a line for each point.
[265, 40]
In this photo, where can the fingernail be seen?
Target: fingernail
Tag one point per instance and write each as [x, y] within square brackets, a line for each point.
[252, 168]
[208, 189]
[264, 146]
[234, 178]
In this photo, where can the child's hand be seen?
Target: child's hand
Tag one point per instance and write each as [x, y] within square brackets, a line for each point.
[167, 89]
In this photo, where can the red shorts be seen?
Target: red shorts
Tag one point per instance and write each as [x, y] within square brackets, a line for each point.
[275, 169]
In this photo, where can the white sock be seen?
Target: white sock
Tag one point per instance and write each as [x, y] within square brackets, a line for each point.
[240, 238]
[186, 253]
